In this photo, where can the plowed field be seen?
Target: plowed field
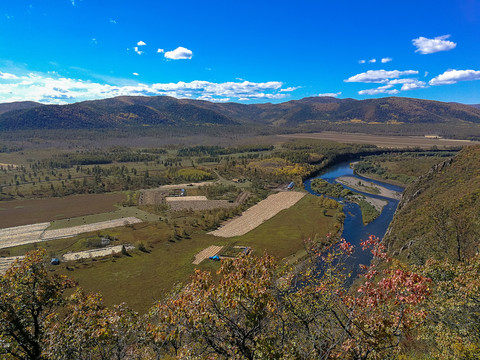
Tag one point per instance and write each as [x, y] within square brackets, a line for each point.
[24, 212]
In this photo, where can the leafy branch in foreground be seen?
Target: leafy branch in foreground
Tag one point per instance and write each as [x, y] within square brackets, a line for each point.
[254, 309]
[28, 297]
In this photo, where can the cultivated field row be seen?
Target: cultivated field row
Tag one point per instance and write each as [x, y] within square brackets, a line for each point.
[185, 198]
[27, 234]
[73, 231]
[258, 214]
[206, 253]
[88, 254]
[21, 235]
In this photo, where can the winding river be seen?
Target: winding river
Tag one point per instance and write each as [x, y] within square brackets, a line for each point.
[354, 230]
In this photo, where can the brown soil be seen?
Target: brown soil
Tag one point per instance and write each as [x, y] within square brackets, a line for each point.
[24, 212]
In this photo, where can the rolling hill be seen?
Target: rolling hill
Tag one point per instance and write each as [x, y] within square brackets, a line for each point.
[20, 105]
[137, 111]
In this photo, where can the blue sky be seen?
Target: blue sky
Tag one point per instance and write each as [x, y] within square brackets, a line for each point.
[63, 51]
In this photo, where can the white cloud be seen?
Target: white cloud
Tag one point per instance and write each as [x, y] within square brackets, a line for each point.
[331, 94]
[430, 46]
[54, 89]
[136, 74]
[379, 76]
[7, 76]
[141, 43]
[179, 53]
[94, 41]
[453, 76]
[361, 61]
[408, 84]
[112, 21]
[288, 89]
[387, 59]
[160, 51]
[139, 52]
[386, 89]
[372, 61]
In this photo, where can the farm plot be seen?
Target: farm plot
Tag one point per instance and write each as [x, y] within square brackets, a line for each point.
[21, 235]
[206, 253]
[28, 234]
[25, 212]
[88, 254]
[197, 203]
[185, 186]
[6, 262]
[73, 231]
[258, 214]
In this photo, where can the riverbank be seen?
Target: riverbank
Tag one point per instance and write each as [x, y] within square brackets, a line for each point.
[368, 187]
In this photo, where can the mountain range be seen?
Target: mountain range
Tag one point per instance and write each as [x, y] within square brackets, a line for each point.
[137, 111]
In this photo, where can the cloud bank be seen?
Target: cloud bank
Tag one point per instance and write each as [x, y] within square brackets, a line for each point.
[386, 89]
[454, 76]
[430, 46]
[389, 79]
[379, 76]
[53, 89]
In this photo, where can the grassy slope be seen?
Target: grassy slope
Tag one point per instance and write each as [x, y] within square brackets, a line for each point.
[142, 278]
[438, 209]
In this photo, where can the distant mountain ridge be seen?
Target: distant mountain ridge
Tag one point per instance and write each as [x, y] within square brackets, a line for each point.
[20, 105]
[135, 111]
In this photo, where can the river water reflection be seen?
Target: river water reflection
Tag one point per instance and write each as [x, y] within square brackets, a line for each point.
[354, 231]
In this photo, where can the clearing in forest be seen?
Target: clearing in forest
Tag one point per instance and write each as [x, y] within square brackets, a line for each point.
[258, 214]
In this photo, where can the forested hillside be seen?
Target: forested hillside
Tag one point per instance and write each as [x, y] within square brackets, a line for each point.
[439, 215]
[138, 111]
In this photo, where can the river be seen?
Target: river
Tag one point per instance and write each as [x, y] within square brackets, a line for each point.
[354, 231]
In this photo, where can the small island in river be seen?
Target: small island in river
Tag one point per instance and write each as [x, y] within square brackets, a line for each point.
[370, 207]
[368, 187]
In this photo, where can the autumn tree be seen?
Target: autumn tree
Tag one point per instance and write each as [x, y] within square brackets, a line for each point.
[28, 296]
[90, 330]
[452, 329]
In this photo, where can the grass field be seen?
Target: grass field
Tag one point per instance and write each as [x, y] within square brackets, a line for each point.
[143, 277]
[25, 212]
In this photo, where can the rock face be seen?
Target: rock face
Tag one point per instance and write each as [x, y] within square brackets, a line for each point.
[438, 215]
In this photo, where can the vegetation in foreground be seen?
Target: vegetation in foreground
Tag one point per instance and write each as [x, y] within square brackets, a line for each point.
[253, 309]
